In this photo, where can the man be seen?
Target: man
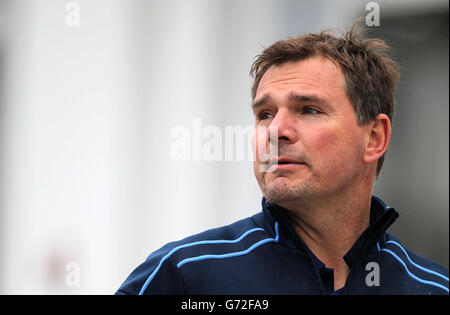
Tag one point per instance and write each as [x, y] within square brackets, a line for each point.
[329, 100]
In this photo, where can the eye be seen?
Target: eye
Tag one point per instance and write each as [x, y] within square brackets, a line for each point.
[310, 110]
[264, 115]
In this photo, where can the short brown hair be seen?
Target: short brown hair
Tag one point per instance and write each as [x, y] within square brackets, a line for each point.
[371, 75]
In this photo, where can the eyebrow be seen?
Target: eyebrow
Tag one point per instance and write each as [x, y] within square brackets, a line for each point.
[301, 98]
[263, 100]
[292, 97]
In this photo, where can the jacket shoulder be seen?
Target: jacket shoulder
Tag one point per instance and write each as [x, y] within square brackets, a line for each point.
[429, 277]
[159, 273]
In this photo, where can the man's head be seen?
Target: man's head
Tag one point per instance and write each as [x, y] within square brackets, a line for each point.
[331, 100]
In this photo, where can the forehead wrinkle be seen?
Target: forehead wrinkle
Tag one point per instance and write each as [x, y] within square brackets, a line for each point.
[307, 89]
[281, 76]
[302, 79]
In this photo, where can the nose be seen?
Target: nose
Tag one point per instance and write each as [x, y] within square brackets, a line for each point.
[285, 124]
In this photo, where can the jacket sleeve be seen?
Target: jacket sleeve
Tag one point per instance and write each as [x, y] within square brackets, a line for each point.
[157, 275]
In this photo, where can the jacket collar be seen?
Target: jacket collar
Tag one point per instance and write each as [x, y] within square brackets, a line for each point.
[381, 217]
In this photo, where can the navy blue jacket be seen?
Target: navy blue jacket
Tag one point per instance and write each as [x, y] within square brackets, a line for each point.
[263, 254]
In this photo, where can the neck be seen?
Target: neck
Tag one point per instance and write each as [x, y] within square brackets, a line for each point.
[331, 226]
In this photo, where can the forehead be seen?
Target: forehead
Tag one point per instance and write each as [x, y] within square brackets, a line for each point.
[316, 74]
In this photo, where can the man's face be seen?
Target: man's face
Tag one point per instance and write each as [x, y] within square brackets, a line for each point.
[320, 145]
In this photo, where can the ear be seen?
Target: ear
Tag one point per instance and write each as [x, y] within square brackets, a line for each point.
[378, 137]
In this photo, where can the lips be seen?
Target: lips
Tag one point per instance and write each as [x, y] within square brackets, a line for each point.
[283, 160]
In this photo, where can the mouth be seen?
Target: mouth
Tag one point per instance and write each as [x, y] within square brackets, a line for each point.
[284, 163]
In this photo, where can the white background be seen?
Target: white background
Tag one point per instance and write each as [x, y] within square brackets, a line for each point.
[86, 113]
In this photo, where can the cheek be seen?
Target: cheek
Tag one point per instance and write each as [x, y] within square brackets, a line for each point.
[259, 175]
[263, 149]
[334, 150]
[256, 158]
[258, 141]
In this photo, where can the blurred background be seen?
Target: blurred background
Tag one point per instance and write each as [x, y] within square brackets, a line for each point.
[91, 89]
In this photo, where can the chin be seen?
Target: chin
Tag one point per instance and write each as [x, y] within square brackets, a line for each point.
[278, 192]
